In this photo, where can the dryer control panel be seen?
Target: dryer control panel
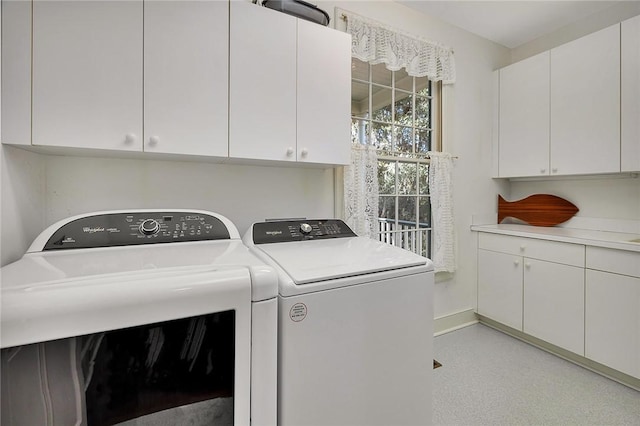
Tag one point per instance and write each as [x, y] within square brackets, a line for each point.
[300, 230]
[123, 229]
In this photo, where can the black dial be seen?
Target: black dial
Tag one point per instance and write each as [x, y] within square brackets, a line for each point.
[149, 227]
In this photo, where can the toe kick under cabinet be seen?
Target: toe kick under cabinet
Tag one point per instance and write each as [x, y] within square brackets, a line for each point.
[579, 297]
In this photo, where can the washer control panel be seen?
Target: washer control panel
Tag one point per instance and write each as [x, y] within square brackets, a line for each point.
[300, 230]
[120, 229]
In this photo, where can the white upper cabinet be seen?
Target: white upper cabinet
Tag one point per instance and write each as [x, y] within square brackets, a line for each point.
[16, 72]
[87, 74]
[262, 83]
[630, 95]
[324, 94]
[585, 104]
[290, 88]
[560, 111]
[186, 74]
[524, 118]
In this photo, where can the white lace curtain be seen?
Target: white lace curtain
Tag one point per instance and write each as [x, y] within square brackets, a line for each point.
[376, 43]
[440, 190]
[361, 191]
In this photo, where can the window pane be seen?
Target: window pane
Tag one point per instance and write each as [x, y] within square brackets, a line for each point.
[359, 69]
[423, 111]
[423, 86]
[407, 178]
[407, 211]
[359, 99]
[359, 131]
[381, 75]
[404, 108]
[424, 212]
[404, 140]
[382, 135]
[387, 208]
[423, 140]
[381, 104]
[387, 177]
[423, 179]
[403, 80]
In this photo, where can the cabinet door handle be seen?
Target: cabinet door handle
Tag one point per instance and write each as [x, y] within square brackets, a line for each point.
[543, 171]
[154, 140]
[516, 262]
[522, 247]
[289, 152]
[304, 152]
[527, 265]
[129, 138]
[554, 170]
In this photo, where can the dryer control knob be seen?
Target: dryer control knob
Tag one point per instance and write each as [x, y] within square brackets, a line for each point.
[149, 227]
[305, 228]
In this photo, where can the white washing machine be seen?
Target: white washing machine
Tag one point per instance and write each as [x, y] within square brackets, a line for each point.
[354, 325]
[145, 317]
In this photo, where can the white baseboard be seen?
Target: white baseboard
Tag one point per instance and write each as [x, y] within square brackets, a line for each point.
[452, 322]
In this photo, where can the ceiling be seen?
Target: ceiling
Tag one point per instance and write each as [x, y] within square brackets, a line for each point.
[510, 23]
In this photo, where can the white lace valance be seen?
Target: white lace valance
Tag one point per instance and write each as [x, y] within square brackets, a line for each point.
[376, 43]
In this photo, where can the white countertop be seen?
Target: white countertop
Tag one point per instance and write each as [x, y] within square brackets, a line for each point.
[614, 240]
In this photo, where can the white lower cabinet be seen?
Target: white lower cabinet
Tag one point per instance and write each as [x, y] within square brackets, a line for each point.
[612, 329]
[534, 286]
[500, 287]
[554, 303]
[585, 299]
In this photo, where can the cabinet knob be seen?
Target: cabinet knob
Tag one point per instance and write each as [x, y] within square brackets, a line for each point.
[516, 262]
[154, 140]
[304, 152]
[527, 265]
[543, 171]
[522, 247]
[289, 152]
[129, 138]
[554, 170]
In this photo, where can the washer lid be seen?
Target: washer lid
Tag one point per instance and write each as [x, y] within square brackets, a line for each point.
[319, 260]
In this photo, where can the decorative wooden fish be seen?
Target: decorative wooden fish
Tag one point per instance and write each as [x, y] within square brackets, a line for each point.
[537, 210]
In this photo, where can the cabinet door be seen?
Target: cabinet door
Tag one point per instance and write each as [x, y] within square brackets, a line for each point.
[186, 77]
[554, 303]
[500, 287]
[585, 104]
[262, 83]
[630, 137]
[87, 74]
[612, 328]
[324, 94]
[524, 118]
[16, 72]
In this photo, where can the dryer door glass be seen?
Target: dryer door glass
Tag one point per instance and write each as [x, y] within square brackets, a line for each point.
[169, 373]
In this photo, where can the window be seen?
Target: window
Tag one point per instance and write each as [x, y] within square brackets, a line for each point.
[398, 114]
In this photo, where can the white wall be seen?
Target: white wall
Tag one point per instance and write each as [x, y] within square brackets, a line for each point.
[614, 14]
[38, 190]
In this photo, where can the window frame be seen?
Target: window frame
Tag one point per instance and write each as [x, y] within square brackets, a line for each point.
[410, 239]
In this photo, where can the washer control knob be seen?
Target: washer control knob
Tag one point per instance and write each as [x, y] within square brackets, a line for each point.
[305, 228]
[149, 227]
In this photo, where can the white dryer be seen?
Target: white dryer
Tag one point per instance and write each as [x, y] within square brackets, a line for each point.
[354, 325]
[145, 317]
